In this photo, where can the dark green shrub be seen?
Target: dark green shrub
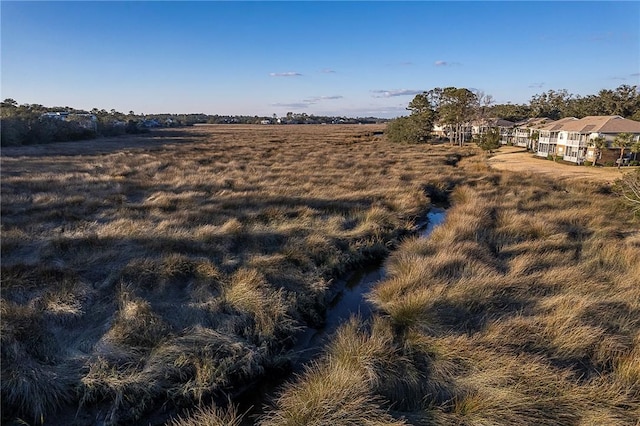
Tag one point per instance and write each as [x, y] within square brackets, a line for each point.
[407, 130]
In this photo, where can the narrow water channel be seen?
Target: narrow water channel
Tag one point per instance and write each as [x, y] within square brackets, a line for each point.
[349, 300]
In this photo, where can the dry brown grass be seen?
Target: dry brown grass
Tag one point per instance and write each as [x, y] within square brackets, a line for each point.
[530, 284]
[521, 309]
[125, 261]
[343, 389]
[174, 271]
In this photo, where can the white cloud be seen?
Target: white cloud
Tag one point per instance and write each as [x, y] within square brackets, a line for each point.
[317, 99]
[327, 71]
[442, 63]
[395, 92]
[305, 103]
[285, 74]
[536, 85]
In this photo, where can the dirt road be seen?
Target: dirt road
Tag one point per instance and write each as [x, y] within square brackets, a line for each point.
[519, 160]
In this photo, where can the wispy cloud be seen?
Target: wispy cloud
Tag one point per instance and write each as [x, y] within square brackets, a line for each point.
[618, 78]
[395, 92]
[376, 111]
[400, 64]
[536, 85]
[635, 74]
[305, 103]
[317, 99]
[285, 74]
[442, 63]
[327, 71]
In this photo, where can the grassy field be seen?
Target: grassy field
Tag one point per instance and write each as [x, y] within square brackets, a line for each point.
[156, 279]
[523, 308]
[172, 270]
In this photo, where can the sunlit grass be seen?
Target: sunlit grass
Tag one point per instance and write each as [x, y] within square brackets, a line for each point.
[228, 234]
[173, 273]
[519, 309]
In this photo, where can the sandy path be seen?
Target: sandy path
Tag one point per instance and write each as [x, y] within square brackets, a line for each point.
[519, 160]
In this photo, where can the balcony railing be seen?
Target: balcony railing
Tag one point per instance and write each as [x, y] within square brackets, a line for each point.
[548, 140]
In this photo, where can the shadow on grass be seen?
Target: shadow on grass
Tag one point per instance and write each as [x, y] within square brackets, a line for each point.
[148, 141]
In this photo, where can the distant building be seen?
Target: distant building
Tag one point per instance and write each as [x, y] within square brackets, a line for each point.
[505, 128]
[523, 132]
[83, 119]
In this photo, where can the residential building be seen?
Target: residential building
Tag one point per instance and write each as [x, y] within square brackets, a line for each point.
[523, 131]
[548, 137]
[571, 138]
[505, 127]
[83, 119]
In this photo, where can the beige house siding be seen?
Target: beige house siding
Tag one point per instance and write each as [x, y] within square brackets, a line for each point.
[574, 137]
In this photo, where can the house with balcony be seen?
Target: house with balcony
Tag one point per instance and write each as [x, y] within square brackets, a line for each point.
[549, 142]
[571, 138]
[522, 132]
[482, 126]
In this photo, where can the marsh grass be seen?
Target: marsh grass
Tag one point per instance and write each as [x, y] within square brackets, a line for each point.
[344, 387]
[173, 272]
[173, 269]
[210, 416]
[522, 308]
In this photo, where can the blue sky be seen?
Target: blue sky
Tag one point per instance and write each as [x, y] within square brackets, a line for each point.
[329, 58]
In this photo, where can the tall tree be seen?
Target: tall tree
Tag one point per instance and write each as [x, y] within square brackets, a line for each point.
[457, 108]
[552, 104]
[599, 143]
[9, 103]
[417, 126]
[623, 101]
[511, 112]
[623, 141]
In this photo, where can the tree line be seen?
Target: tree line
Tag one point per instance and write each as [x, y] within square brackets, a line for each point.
[456, 108]
[451, 107]
[28, 124]
[555, 104]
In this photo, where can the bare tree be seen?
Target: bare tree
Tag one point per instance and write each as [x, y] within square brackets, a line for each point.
[623, 141]
[628, 186]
